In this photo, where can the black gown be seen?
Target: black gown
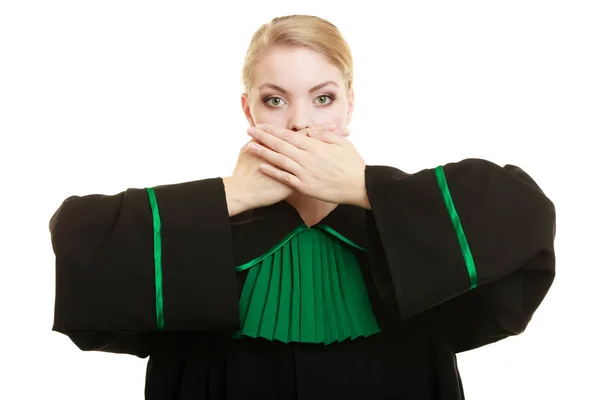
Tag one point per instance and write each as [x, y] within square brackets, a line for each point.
[422, 291]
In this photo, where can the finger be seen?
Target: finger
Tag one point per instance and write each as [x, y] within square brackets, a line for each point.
[275, 158]
[279, 140]
[285, 135]
[327, 126]
[245, 148]
[281, 176]
[328, 136]
[345, 131]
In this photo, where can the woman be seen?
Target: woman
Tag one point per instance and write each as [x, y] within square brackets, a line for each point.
[314, 275]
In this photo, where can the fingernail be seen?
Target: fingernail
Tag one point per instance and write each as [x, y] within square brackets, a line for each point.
[331, 126]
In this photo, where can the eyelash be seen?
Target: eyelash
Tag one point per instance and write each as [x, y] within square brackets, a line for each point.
[331, 96]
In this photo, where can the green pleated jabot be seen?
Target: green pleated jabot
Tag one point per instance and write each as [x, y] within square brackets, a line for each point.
[308, 289]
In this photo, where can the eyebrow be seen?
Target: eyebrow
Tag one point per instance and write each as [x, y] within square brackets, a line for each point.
[282, 90]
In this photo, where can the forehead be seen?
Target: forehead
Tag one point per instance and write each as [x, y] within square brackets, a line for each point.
[297, 68]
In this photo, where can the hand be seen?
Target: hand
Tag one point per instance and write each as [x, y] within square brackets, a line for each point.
[256, 188]
[252, 187]
[323, 164]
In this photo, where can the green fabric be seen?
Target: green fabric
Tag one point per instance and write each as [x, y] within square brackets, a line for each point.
[160, 320]
[460, 233]
[307, 289]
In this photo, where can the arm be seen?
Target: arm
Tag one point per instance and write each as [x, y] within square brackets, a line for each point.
[486, 271]
[133, 264]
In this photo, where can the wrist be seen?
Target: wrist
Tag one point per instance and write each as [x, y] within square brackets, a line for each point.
[360, 196]
[363, 199]
[237, 201]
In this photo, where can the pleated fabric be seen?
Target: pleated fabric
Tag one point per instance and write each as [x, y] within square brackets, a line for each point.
[306, 289]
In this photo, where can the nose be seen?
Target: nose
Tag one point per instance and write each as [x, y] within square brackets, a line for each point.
[299, 118]
[297, 128]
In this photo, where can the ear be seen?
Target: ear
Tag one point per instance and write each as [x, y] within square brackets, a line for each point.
[246, 109]
[350, 106]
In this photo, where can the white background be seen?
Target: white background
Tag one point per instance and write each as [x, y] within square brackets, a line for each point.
[96, 97]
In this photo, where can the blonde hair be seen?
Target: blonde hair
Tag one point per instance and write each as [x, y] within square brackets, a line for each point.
[295, 31]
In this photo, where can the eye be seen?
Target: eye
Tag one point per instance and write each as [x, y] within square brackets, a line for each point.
[273, 101]
[323, 98]
[277, 102]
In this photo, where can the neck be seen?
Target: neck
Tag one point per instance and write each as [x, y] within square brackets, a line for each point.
[310, 209]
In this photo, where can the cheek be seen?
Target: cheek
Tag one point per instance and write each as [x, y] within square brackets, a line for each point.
[263, 116]
[340, 122]
[337, 115]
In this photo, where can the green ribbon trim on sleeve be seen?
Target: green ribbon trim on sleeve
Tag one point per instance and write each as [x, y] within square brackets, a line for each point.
[158, 281]
[462, 239]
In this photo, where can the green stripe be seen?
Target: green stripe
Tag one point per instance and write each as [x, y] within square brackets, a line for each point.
[339, 236]
[300, 228]
[158, 281]
[258, 259]
[462, 239]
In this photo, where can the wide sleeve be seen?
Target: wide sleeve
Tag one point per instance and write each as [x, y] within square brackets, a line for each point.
[471, 240]
[142, 262]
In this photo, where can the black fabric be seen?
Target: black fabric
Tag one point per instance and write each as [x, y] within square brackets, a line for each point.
[197, 257]
[510, 227]
[414, 272]
[104, 263]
